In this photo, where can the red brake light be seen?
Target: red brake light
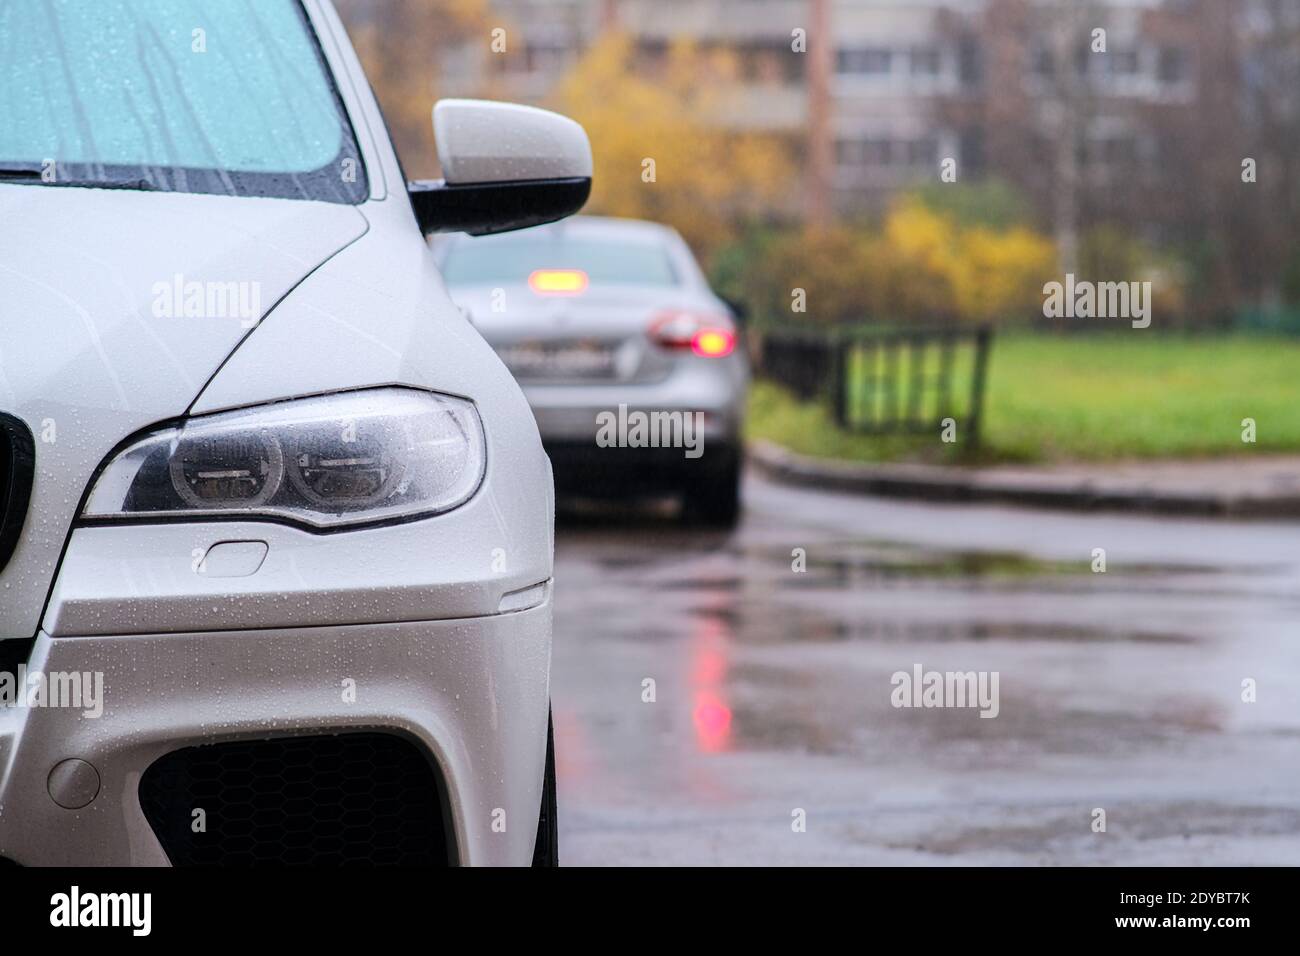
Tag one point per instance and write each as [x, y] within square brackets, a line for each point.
[710, 336]
[713, 343]
[558, 281]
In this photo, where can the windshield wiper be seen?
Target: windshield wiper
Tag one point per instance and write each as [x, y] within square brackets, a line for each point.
[142, 184]
[21, 170]
[34, 173]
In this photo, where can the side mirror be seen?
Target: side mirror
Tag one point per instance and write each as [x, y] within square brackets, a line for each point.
[505, 167]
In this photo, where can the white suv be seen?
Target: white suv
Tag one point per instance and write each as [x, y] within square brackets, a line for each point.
[275, 522]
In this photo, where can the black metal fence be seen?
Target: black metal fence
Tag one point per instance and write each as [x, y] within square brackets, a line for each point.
[886, 382]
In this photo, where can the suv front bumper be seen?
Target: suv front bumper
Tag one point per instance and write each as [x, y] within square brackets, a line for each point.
[471, 693]
[440, 628]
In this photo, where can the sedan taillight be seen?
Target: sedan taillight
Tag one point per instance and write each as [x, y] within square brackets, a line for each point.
[707, 335]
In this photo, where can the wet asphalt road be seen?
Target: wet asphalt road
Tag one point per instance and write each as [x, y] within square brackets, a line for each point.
[1119, 690]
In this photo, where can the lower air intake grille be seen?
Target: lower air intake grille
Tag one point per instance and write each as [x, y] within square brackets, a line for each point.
[348, 799]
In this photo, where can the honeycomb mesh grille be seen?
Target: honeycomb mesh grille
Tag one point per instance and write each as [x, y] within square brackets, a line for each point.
[349, 799]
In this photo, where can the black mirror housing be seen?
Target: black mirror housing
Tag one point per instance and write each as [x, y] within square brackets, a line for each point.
[482, 209]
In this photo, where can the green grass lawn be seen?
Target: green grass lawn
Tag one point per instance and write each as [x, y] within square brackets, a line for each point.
[1051, 398]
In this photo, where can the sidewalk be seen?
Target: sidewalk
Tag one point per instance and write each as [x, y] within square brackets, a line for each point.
[1264, 487]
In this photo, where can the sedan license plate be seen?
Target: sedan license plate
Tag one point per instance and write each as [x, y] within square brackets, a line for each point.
[576, 360]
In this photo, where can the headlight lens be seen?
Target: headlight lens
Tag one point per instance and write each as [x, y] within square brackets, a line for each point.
[331, 461]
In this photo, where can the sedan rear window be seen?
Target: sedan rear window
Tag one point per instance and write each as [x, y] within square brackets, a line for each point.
[229, 97]
[503, 260]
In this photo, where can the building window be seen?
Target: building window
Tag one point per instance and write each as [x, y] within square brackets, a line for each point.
[769, 63]
[1042, 62]
[1173, 65]
[538, 58]
[1116, 149]
[970, 62]
[882, 152]
[1122, 62]
[923, 152]
[925, 61]
[865, 62]
[864, 152]
[546, 58]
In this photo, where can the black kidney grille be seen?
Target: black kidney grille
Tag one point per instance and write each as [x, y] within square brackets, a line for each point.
[346, 799]
[17, 464]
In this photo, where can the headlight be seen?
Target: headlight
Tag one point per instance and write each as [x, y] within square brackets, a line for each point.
[336, 460]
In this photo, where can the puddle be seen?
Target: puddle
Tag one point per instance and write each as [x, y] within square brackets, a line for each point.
[1161, 820]
[857, 559]
[777, 624]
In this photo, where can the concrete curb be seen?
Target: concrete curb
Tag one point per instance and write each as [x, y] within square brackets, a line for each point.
[1039, 490]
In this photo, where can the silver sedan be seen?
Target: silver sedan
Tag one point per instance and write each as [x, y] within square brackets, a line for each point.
[633, 366]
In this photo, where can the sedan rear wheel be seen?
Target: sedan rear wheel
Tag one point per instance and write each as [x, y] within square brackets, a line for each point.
[712, 499]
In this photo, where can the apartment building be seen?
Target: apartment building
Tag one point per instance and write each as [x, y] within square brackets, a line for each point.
[907, 84]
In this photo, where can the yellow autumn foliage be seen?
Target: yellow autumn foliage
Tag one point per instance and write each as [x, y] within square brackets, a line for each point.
[971, 274]
[399, 42]
[659, 152]
[921, 267]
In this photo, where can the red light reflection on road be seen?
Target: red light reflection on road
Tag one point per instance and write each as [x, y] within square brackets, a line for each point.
[712, 723]
[711, 714]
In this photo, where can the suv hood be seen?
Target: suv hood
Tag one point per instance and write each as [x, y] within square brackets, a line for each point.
[117, 308]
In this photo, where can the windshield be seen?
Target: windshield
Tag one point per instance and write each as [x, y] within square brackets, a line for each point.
[228, 97]
[511, 259]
